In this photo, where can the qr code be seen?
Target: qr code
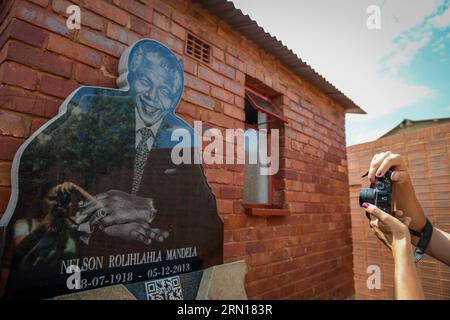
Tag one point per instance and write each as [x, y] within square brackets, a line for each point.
[164, 289]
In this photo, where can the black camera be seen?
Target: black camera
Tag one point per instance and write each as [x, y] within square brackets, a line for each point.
[63, 199]
[379, 193]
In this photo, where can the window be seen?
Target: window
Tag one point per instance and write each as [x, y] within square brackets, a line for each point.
[260, 115]
[198, 49]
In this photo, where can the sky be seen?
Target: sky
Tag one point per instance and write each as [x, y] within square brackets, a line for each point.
[399, 71]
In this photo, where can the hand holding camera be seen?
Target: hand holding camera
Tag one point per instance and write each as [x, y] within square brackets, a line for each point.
[387, 167]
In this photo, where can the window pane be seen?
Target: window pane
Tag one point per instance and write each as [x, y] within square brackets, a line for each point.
[256, 185]
[262, 103]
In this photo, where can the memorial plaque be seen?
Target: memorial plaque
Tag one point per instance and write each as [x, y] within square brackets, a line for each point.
[96, 198]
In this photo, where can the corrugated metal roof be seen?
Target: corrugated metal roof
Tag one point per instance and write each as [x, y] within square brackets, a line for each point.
[226, 11]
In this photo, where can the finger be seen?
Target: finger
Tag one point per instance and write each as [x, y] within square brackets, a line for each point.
[375, 163]
[158, 234]
[136, 235]
[406, 221]
[390, 161]
[398, 213]
[374, 224]
[376, 212]
[58, 188]
[101, 196]
[400, 176]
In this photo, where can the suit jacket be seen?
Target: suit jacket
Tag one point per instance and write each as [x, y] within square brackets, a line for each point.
[94, 146]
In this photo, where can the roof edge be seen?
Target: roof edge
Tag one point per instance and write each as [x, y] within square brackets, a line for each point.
[235, 18]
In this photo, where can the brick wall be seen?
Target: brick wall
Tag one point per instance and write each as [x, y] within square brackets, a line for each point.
[427, 153]
[304, 255]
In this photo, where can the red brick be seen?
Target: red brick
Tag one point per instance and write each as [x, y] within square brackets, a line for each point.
[190, 66]
[258, 259]
[23, 101]
[9, 147]
[74, 50]
[37, 123]
[224, 206]
[198, 99]
[101, 43]
[5, 174]
[42, 60]
[233, 250]
[234, 112]
[161, 21]
[234, 87]
[109, 11]
[223, 69]
[123, 35]
[221, 120]
[93, 77]
[196, 84]
[219, 176]
[14, 124]
[42, 3]
[28, 33]
[218, 53]
[178, 31]
[163, 7]
[172, 42]
[110, 66]
[143, 11]
[4, 198]
[233, 221]
[210, 76]
[255, 274]
[222, 95]
[38, 16]
[234, 62]
[227, 192]
[139, 26]
[240, 77]
[18, 75]
[56, 86]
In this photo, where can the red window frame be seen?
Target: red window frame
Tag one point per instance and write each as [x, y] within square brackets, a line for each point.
[270, 117]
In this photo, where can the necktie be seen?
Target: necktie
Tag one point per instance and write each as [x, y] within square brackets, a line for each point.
[141, 157]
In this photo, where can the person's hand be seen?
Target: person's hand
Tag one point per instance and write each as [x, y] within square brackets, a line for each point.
[386, 227]
[117, 207]
[403, 191]
[66, 187]
[138, 231]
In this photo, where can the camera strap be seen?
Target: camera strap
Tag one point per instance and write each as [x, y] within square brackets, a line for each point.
[424, 240]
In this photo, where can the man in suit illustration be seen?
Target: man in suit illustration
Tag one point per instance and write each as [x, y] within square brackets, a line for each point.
[117, 145]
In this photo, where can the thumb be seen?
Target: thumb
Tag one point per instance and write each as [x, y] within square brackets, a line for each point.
[376, 212]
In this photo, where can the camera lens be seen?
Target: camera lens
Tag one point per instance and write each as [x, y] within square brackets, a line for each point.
[367, 195]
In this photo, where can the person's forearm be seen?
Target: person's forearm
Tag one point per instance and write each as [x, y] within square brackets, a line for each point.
[406, 281]
[439, 245]
[406, 200]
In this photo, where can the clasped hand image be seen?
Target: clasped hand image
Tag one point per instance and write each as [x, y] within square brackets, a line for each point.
[115, 213]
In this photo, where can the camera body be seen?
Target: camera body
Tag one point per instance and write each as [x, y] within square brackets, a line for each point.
[379, 193]
[63, 199]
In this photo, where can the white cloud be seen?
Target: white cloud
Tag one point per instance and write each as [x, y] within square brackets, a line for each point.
[405, 51]
[442, 20]
[333, 38]
[438, 47]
